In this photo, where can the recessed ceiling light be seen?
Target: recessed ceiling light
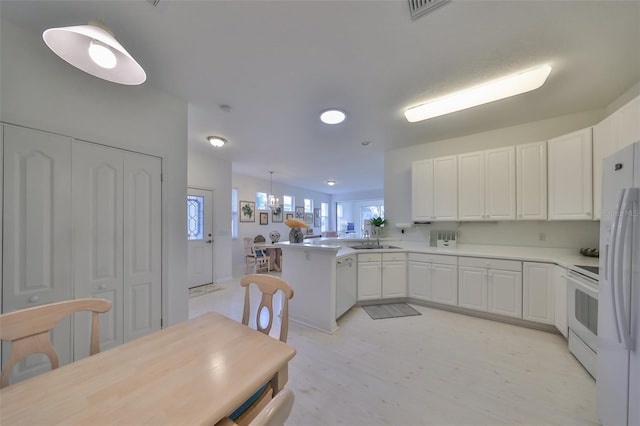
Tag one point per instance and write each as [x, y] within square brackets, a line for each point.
[331, 182]
[365, 143]
[504, 87]
[216, 141]
[332, 116]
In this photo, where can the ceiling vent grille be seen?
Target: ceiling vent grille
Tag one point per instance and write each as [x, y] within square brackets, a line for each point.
[420, 7]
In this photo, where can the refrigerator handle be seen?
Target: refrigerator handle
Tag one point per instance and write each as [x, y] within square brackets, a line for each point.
[610, 253]
[626, 212]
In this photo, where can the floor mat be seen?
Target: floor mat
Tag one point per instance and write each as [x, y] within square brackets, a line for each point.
[390, 310]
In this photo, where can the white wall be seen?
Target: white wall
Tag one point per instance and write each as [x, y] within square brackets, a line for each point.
[397, 191]
[206, 171]
[41, 91]
[247, 187]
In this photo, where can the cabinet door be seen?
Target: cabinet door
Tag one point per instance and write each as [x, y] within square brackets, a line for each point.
[500, 184]
[444, 284]
[98, 240]
[629, 123]
[605, 142]
[142, 258]
[560, 317]
[531, 194]
[505, 293]
[472, 288]
[394, 279]
[445, 188]
[369, 280]
[471, 186]
[422, 190]
[419, 280]
[37, 233]
[570, 176]
[538, 299]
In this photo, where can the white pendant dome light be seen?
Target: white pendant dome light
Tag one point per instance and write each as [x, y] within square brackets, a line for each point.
[93, 49]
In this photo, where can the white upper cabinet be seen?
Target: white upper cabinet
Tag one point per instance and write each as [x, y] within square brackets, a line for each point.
[629, 123]
[570, 176]
[434, 189]
[531, 166]
[487, 185]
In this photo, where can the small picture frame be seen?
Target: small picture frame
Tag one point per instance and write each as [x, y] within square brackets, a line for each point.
[276, 218]
[300, 212]
[289, 216]
[316, 217]
[264, 218]
[247, 211]
[308, 218]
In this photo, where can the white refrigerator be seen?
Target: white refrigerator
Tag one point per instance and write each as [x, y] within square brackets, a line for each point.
[618, 374]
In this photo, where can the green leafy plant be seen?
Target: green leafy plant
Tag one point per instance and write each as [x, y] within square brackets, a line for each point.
[377, 221]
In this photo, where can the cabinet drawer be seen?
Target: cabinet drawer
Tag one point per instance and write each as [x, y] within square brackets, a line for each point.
[370, 257]
[394, 256]
[434, 258]
[479, 262]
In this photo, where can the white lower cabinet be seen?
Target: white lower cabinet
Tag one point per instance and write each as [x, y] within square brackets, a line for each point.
[539, 294]
[561, 318]
[490, 285]
[428, 270]
[382, 275]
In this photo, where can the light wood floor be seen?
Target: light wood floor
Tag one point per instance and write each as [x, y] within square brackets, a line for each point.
[439, 368]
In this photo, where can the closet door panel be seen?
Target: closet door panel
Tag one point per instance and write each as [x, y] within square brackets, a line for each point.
[36, 232]
[142, 243]
[98, 239]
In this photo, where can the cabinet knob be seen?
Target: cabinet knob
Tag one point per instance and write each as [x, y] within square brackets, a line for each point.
[34, 298]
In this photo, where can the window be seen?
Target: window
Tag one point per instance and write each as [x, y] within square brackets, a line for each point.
[288, 203]
[324, 217]
[308, 205]
[195, 219]
[234, 213]
[261, 200]
[369, 212]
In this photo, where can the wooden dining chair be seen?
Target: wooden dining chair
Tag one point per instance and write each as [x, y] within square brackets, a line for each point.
[257, 257]
[28, 330]
[269, 285]
[274, 413]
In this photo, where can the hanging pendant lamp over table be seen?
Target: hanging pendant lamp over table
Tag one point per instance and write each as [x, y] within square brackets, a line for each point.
[93, 49]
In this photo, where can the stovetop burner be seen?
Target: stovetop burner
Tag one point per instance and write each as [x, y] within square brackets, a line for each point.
[592, 269]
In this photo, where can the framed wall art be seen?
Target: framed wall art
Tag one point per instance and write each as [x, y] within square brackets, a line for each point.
[300, 212]
[316, 217]
[276, 218]
[264, 218]
[247, 211]
[308, 218]
[289, 216]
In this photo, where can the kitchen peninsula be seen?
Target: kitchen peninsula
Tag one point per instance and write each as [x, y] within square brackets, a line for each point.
[529, 299]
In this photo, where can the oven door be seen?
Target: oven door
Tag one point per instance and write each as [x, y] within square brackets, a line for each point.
[583, 308]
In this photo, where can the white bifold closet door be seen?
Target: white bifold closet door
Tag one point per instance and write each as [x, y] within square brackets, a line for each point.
[36, 261]
[116, 239]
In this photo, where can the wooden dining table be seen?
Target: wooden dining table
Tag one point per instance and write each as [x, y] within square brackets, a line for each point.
[193, 373]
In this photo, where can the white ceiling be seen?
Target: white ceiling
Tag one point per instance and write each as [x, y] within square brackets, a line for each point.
[279, 63]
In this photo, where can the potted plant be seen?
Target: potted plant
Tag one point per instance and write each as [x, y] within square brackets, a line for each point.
[377, 224]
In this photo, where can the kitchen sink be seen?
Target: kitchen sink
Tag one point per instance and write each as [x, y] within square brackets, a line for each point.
[374, 246]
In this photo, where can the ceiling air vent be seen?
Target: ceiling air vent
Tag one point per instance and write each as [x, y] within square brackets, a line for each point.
[420, 7]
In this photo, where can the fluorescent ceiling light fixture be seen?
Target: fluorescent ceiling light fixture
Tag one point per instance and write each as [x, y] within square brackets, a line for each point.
[331, 182]
[494, 90]
[332, 116]
[216, 141]
[93, 49]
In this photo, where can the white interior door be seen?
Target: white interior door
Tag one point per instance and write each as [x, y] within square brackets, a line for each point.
[200, 236]
[37, 232]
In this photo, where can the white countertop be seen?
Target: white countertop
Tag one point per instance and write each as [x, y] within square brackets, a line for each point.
[566, 257]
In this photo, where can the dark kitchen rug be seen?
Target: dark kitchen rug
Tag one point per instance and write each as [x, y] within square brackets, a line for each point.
[203, 289]
[390, 310]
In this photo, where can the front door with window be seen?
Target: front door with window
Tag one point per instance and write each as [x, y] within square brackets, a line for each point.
[200, 236]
